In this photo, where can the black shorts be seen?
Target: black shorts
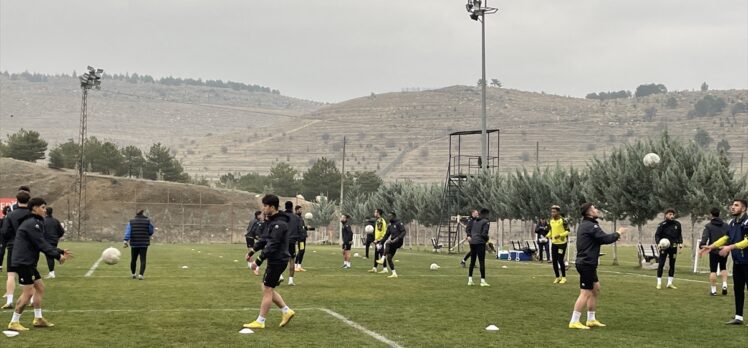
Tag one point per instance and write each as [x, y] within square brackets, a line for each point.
[714, 260]
[347, 246]
[273, 271]
[392, 248]
[587, 277]
[27, 275]
[292, 248]
[8, 265]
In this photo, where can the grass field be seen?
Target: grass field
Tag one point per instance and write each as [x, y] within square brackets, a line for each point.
[206, 304]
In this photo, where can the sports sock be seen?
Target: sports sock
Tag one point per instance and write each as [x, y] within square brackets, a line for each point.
[659, 281]
[575, 316]
[394, 272]
[714, 289]
[285, 309]
[9, 299]
[590, 315]
[16, 317]
[738, 317]
[724, 285]
[261, 319]
[669, 280]
[37, 313]
[290, 279]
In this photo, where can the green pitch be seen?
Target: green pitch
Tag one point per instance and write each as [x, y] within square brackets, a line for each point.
[206, 304]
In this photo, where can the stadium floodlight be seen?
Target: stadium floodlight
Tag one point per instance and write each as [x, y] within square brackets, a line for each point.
[89, 80]
[478, 10]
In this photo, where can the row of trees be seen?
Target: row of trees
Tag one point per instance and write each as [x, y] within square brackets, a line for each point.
[322, 178]
[689, 179]
[136, 78]
[609, 95]
[101, 157]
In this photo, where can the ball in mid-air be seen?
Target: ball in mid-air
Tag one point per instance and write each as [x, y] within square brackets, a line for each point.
[369, 228]
[308, 216]
[651, 159]
[110, 256]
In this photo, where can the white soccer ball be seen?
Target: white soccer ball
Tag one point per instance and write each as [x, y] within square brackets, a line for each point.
[369, 228]
[308, 216]
[651, 159]
[663, 244]
[110, 256]
[434, 267]
[356, 255]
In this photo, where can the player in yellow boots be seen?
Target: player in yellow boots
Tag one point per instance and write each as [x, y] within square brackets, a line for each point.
[274, 245]
[589, 238]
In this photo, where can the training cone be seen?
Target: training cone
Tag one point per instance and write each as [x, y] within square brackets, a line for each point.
[492, 327]
[246, 331]
[9, 333]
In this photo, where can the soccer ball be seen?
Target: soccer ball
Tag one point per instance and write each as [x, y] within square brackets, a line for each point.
[369, 228]
[308, 216]
[110, 256]
[434, 267]
[651, 159]
[356, 255]
[663, 244]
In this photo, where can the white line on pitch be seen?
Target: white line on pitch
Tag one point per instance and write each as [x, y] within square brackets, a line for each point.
[93, 268]
[169, 310]
[358, 327]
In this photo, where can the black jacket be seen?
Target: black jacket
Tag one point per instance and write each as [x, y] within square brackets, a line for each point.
[469, 226]
[347, 234]
[254, 230]
[713, 231]
[30, 241]
[304, 234]
[294, 226]
[53, 230]
[140, 230]
[541, 230]
[589, 239]
[671, 230]
[395, 232]
[479, 231]
[274, 241]
[11, 224]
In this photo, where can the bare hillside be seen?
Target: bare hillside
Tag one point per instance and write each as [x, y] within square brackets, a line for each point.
[139, 113]
[404, 135]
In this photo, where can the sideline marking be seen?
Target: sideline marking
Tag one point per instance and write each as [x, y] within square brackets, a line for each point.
[93, 268]
[358, 327]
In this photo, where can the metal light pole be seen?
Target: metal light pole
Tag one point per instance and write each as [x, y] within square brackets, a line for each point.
[89, 80]
[478, 10]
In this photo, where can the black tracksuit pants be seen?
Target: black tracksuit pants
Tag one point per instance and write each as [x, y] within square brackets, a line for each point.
[670, 252]
[558, 251]
[135, 253]
[479, 251]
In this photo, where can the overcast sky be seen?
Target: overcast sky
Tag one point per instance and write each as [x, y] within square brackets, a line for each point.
[333, 50]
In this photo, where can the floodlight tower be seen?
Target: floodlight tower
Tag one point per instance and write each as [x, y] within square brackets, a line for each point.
[89, 80]
[478, 10]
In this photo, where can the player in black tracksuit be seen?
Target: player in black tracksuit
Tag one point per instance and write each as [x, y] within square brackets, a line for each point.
[468, 227]
[294, 233]
[541, 230]
[671, 230]
[53, 231]
[369, 235]
[6, 210]
[713, 231]
[254, 229]
[8, 237]
[302, 240]
[273, 247]
[589, 239]
[347, 241]
[478, 240]
[394, 239]
[29, 242]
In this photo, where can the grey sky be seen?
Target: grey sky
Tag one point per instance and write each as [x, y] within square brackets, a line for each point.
[334, 50]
